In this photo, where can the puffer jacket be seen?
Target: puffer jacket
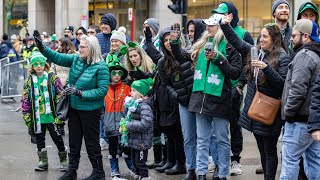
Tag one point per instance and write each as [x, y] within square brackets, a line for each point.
[94, 82]
[272, 87]
[28, 111]
[114, 110]
[183, 85]
[140, 128]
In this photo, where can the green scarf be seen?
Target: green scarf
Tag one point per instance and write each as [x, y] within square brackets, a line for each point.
[38, 97]
[209, 79]
[131, 105]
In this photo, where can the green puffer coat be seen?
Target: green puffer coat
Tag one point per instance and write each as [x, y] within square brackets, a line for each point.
[94, 82]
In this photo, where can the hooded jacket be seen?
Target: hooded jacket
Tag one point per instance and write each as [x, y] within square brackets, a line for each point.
[104, 39]
[7, 50]
[300, 83]
[199, 28]
[305, 4]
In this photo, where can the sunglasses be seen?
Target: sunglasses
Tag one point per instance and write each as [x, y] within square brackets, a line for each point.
[273, 25]
[79, 34]
[116, 72]
[37, 64]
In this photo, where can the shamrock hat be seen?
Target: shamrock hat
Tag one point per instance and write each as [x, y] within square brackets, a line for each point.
[37, 57]
[114, 64]
[143, 86]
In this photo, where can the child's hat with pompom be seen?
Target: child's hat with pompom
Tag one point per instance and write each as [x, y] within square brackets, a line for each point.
[119, 34]
[143, 86]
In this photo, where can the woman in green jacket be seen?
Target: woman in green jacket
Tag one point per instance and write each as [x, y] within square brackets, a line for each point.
[86, 100]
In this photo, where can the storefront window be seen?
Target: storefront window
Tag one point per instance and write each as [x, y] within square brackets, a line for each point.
[97, 8]
[252, 14]
[15, 17]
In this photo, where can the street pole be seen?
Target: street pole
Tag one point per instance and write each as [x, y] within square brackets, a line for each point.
[184, 16]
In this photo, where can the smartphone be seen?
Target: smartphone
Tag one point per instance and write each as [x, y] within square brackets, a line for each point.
[254, 53]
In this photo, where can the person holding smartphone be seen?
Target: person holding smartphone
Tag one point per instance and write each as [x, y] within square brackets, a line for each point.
[272, 63]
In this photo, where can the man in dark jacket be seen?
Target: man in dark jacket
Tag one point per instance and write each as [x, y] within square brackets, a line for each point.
[236, 91]
[68, 33]
[108, 23]
[281, 14]
[296, 99]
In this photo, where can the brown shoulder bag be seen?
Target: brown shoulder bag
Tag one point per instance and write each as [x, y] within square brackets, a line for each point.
[263, 108]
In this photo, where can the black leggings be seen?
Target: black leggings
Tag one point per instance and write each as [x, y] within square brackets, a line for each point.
[115, 147]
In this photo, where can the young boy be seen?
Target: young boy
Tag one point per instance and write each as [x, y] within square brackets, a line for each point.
[40, 95]
[114, 111]
[137, 126]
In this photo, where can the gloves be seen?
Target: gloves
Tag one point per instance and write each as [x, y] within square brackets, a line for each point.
[123, 126]
[73, 91]
[33, 136]
[148, 34]
[138, 74]
[38, 41]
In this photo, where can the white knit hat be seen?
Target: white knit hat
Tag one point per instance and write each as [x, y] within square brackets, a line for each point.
[119, 34]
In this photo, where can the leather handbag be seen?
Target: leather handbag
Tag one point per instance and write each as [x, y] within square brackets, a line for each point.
[64, 102]
[263, 108]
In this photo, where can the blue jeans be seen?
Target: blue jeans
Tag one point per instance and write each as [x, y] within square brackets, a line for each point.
[296, 141]
[189, 127]
[102, 133]
[206, 126]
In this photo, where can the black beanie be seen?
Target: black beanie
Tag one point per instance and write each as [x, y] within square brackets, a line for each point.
[5, 37]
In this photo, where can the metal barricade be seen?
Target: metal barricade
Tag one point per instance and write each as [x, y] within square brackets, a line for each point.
[12, 78]
[3, 62]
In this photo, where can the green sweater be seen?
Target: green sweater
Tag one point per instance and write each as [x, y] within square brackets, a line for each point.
[94, 82]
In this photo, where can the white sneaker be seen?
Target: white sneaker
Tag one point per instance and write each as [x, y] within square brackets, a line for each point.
[103, 144]
[235, 168]
[211, 167]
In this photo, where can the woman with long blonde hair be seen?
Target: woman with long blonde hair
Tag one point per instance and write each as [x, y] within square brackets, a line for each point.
[215, 64]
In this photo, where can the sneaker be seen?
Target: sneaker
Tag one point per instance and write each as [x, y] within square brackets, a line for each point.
[211, 167]
[103, 144]
[235, 168]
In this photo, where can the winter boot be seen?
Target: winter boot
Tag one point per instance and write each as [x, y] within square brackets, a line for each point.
[114, 165]
[178, 168]
[157, 154]
[71, 173]
[168, 165]
[63, 161]
[43, 160]
[164, 158]
[191, 175]
[97, 170]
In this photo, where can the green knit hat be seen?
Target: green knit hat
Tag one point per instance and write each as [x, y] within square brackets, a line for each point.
[143, 86]
[37, 57]
[114, 64]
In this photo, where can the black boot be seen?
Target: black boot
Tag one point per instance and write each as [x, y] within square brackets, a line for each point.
[168, 165]
[178, 168]
[164, 158]
[71, 173]
[157, 154]
[191, 175]
[202, 177]
[97, 170]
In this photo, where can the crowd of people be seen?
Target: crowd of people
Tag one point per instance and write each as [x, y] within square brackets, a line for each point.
[179, 96]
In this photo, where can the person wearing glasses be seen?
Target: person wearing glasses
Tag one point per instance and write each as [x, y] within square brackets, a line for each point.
[300, 104]
[93, 30]
[273, 65]
[114, 111]
[88, 84]
[79, 32]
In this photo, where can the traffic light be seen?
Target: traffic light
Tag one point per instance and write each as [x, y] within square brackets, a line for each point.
[176, 6]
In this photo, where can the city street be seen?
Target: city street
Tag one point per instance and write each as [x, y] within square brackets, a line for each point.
[18, 156]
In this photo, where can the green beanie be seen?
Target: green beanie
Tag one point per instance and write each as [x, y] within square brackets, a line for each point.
[143, 86]
[114, 64]
[37, 57]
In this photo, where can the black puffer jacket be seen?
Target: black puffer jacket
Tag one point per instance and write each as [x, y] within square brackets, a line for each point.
[182, 85]
[213, 105]
[272, 87]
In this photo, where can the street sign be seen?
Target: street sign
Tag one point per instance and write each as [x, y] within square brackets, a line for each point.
[130, 14]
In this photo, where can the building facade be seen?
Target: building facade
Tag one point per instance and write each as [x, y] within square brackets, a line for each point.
[52, 16]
